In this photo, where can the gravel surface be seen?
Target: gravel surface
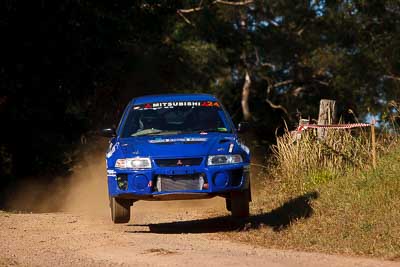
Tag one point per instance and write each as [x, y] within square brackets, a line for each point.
[159, 234]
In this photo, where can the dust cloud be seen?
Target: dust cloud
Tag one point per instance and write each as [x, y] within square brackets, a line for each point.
[85, 191]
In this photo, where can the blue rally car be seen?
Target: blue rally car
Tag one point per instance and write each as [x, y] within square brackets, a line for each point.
[175, 147]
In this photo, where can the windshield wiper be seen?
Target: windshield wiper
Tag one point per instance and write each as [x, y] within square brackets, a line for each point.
[218, 130]
[154, 132]
[147, 132]
[160, 132]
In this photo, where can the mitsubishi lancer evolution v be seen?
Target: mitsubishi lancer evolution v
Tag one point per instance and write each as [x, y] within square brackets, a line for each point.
[176, 147]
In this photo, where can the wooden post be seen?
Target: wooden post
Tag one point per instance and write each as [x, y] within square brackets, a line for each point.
[327, 115]
[373, 144]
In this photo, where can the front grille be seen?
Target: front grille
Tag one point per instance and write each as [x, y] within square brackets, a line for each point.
[178, 162]
[167, 183]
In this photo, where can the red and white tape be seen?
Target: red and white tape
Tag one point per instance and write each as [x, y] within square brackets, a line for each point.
[332, 126]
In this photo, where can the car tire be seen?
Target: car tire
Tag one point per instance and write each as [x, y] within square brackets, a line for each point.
[228, 204]
[120, 210]
[240, 203]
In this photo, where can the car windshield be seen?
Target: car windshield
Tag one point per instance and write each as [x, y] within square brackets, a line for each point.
[176, 118]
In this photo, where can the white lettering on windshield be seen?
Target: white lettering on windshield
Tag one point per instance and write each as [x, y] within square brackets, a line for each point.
[158, 105]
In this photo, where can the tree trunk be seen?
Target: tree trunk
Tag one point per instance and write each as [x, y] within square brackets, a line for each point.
[327, 115]
[245, 97]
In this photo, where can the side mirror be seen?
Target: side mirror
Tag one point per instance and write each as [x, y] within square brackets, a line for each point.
[108, 132]
[243, 127]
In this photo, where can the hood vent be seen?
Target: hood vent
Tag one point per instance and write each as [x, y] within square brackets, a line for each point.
[193, 142]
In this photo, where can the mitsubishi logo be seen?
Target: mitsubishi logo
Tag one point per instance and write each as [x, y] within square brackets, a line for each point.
[179, 163]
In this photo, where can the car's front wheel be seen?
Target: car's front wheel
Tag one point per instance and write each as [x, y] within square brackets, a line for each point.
[239, 203]
[120, 210]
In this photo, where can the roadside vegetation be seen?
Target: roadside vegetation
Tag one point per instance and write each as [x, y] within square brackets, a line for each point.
[69, 67]
[325, 196]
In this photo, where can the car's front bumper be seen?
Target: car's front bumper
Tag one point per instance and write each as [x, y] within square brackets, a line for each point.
[145, 184]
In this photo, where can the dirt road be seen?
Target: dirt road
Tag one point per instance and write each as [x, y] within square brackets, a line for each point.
[160, 234]
[70, 226]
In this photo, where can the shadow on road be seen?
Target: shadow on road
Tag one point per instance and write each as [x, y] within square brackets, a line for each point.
[278, 219]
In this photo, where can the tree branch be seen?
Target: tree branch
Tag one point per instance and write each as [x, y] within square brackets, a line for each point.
[274, 106]
[392, 77]
[240, 3]
[245, 97]
[322, 82]
[297, 91]
[222, 2]
[272, 22]
[190, 10]
[278, 84]
[258, 60]
[184, 18]
[266, 64]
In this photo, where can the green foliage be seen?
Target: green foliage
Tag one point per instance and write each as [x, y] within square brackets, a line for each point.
[300, 53]
[307, 162]
[353, 213]
[70, 66]
[64, 65]
[318, 177]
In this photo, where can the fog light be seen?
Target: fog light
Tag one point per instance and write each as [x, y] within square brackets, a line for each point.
[122, 181]
[221, 179]
[140, 182]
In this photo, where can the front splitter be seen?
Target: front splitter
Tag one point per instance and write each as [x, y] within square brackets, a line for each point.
[169, 196]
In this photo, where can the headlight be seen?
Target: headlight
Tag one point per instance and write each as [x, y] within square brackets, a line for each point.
[133, 163]
[224, 159]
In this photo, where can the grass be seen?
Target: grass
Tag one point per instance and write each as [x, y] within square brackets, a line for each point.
[302, 163]
[345, 208]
